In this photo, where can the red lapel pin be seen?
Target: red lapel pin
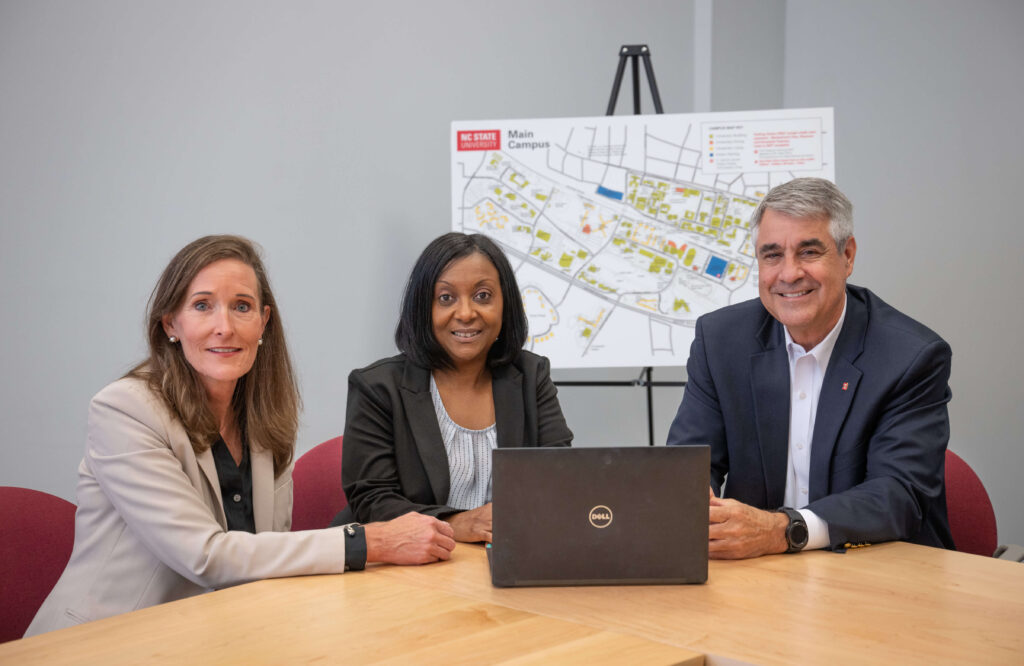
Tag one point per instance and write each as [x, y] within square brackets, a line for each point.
[846, 385]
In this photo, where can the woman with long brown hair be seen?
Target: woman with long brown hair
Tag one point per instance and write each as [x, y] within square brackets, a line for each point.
[186, 485]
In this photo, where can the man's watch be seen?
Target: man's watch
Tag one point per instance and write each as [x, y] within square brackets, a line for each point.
[796, 531]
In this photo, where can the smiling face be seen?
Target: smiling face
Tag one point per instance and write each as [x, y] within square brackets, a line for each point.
[220, 323]
[467, 309]
[803, 274]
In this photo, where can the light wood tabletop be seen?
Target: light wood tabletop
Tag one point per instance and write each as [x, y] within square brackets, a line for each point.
[891, 603]
[356, 618]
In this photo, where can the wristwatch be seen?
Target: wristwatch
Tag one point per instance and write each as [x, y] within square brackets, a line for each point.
[355, 547]
[796, 531]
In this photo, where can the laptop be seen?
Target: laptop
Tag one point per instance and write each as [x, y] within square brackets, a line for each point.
[599, 516]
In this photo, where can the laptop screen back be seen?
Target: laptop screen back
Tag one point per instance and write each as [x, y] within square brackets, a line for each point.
[589, 516]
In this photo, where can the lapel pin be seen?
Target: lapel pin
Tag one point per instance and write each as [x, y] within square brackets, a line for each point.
[846, 385]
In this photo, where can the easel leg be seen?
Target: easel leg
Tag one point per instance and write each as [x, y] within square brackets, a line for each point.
[650, 406]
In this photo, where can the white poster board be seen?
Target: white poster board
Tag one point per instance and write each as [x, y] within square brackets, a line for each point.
[622, 230]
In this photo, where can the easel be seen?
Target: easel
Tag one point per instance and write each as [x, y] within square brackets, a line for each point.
[634, 52]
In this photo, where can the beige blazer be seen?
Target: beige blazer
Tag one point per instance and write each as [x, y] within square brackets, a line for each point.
[150, 524]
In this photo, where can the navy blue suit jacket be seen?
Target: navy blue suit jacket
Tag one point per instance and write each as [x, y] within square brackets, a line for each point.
[880, 432]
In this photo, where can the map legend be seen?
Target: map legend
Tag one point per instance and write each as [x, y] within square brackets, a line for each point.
[794, 144]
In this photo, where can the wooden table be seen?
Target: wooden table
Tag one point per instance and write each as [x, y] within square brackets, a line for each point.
[347, 619]
[893, 602]
[896, 603]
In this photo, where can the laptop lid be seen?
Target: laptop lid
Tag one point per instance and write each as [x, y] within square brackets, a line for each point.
[600, 516]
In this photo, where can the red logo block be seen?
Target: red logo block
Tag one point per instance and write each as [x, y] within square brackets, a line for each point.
[480, 140]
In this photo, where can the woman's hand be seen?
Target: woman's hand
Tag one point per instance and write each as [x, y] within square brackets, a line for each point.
[472, 525]
[412, 538]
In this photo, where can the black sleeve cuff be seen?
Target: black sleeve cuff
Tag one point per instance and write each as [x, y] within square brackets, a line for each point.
[355, 547]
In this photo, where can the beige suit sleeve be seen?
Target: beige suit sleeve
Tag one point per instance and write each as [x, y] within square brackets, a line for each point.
[133, 450]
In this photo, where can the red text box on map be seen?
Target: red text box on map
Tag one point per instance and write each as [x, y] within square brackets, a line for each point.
[479, 140]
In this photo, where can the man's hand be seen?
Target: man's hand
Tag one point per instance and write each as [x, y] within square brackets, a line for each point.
[738, 531]
[472, 525]
[409, 539]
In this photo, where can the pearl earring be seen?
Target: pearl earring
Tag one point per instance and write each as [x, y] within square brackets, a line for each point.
[172, 339]
[260, 342]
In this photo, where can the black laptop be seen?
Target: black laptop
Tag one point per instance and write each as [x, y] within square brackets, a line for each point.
[600, 516]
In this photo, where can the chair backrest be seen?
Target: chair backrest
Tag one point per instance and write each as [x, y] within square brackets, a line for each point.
[317, 487]
[37, 531]
[971, 518]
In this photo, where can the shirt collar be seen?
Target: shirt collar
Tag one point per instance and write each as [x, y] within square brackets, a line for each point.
[822, 352]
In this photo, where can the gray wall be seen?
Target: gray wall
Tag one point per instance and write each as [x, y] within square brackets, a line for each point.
[321, 129]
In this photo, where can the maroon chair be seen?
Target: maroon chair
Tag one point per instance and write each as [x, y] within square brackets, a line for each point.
[971, 518]
[317, 487]
[37, 531]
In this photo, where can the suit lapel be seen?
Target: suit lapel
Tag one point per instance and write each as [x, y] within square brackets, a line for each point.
[261, 462]
[769, 374]
[507, 388]
[419, 407]
[837, 391]
[209, 470]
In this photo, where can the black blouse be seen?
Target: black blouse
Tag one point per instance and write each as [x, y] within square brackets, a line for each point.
[235, 487]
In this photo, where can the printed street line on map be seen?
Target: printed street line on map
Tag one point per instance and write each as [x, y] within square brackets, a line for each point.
[620, 230]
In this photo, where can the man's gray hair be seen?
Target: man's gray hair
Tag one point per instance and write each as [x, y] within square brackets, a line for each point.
[810, 199]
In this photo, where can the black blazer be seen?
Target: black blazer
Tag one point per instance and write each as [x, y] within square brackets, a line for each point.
[880, 434]
[393, 458]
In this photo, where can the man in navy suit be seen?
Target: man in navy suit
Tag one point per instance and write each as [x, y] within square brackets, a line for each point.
[825, 408]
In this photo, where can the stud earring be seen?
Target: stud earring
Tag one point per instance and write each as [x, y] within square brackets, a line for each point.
[260, 342]
[172, 339]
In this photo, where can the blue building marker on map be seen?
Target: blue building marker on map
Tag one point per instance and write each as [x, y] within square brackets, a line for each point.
[716, 267]
[611, 194]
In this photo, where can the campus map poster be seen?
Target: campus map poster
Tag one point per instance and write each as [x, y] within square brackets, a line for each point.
[622, 230]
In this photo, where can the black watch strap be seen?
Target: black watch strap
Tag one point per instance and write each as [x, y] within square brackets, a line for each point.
[355, 547]
[796, 532]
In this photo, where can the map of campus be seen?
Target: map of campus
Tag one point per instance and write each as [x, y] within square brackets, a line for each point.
[623, 230]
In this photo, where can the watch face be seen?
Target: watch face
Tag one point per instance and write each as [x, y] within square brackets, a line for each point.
[798, 535]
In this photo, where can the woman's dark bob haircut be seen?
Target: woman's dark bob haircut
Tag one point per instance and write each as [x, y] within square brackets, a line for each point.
[415, 333]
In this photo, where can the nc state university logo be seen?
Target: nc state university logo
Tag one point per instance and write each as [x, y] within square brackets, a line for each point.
[479, 140]
[600, 516]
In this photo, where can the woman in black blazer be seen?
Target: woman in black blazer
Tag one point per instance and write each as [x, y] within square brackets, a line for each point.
[419, 426]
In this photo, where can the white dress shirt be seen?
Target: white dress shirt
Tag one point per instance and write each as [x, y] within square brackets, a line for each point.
[806, 372]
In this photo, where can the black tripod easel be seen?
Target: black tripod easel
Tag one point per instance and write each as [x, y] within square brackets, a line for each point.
[634, 52]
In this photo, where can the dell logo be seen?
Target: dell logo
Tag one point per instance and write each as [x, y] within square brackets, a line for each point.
[600, 516]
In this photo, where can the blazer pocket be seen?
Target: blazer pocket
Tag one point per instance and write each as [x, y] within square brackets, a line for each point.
[76, 617]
